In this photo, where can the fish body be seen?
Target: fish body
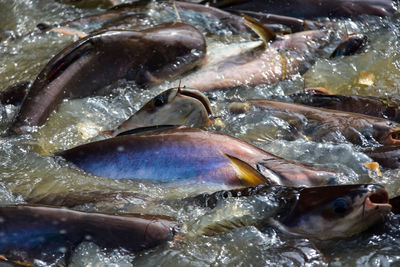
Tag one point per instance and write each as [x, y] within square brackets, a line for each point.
[264, 64]
[321, 213]
[44, 232]
[186, 155]
[336, 211]
[367, 105]
[49, 233]
[387, 156]
[350, 45]
[357, 128]
[88, 65]
[175, 106]
[316, 8]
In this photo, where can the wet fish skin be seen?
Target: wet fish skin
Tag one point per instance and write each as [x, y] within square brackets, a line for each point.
[15, 94]
[350, 45]
[367, 105]
[295, 24]
[34, 232]
[386, 156]
[324, 212]
[317, 8]
[291, 54]
[184, 155]
[88, 65]
[322, 122]
[337, 211]
[42, 232]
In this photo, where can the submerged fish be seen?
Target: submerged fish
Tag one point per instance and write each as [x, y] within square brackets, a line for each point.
[324, 124]
[351, 44]
[387, 156]
[48, 233]
[88, 65]
[318, 212]
[367, 105]
[189, 155]
[294, 24]
[14, 95]
[175, 106]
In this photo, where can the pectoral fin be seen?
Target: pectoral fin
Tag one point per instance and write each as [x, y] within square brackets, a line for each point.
[247, 174]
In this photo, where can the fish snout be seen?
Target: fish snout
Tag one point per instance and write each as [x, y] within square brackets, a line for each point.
[379, 199]
[394, 137]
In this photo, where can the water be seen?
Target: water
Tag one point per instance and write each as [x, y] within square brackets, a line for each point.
[28, 172]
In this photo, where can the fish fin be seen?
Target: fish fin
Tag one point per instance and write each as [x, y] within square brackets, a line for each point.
[261, 30]
[282, 228]
[223, 219]
[107, 132]
[130, 5]
[248, 175]
[149, 129]
[222, 226]
[317, 90]
[374, 166]
[69, 31]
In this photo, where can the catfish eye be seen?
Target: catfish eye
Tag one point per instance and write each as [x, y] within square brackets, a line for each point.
[340, 206]
[159, 101]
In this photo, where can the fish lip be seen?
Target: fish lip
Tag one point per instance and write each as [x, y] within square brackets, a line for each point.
[199, 96]
[394, 136]
[378, 200]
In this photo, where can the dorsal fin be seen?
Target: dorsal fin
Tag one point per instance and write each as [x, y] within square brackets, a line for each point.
[264, 32]
[149, 129]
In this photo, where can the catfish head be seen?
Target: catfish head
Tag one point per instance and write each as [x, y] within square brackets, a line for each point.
[336, 211]
[175, 106]
[386, 133]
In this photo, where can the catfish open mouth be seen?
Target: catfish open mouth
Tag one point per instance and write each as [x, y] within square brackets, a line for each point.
[394, 137]
[378, 199]
[203, 99]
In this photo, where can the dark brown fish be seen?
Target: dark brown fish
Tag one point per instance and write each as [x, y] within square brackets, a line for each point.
[367, 105]
[44, 232]
[294, 24]
[314, 8]
[15, 94]
[88, 65]
[351, 44]
[357, 128]
[386, 156]
[322, 213]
